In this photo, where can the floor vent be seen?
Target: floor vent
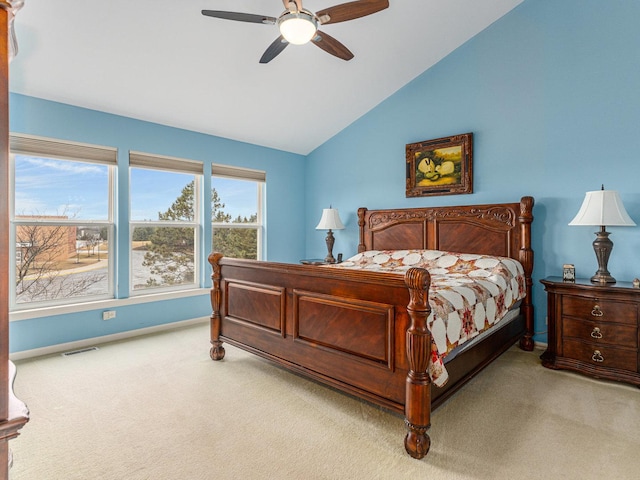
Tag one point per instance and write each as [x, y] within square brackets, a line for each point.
[82, 350]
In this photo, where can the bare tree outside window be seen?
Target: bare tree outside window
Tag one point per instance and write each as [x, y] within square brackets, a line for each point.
[52, 262]
[61, 224]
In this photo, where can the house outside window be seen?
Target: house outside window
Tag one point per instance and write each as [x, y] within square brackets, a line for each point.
[237, 218]
[61, 221]
[165, 212]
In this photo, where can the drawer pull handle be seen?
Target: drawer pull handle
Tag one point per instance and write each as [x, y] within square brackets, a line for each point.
[597, 356]
[596, 312]
[596, 333]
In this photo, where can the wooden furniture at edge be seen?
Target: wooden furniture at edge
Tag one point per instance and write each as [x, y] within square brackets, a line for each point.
[13, 413]
[593, 329]
[365, 333]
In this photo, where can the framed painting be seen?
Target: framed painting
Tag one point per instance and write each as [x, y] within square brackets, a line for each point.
[443, 166]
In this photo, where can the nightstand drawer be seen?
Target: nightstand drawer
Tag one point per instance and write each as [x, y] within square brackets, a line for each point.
[601, 355]
[599, 310]
[599, 333]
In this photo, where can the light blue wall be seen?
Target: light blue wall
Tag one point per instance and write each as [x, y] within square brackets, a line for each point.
[550, 91]
[284, 208]
[552, 94]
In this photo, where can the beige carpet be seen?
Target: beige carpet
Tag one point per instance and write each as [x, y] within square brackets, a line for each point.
[157, 408]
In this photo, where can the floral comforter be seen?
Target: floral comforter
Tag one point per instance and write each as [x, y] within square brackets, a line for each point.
[468, 294]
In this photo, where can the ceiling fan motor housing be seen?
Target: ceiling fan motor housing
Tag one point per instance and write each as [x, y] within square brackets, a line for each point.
[298, 28]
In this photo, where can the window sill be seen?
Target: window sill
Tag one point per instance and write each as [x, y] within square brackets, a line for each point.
[104, 304]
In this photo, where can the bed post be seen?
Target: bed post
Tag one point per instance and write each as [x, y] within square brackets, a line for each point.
[361, 213]
[526, 259]
[217, 350]
[417, 407]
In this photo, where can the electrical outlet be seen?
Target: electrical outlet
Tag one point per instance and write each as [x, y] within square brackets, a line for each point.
[108, 314]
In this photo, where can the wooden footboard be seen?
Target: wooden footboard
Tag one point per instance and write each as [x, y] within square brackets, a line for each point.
[363, 332]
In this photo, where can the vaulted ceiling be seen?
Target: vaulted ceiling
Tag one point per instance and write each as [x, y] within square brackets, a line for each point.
[163, 61]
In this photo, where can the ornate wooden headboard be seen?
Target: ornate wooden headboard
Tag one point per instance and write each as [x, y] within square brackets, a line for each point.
[502, 229]
[498, 229]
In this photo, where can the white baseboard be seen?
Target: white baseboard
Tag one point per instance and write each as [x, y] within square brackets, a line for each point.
[90, 342]
[540, 345]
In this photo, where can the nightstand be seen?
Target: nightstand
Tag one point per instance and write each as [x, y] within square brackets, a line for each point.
[314, 261]
[593, 328]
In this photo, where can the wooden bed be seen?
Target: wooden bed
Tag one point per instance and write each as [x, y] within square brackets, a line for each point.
[365, 333]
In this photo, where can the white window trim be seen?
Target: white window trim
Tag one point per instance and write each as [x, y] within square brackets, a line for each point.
[44, 147]
[176, 165]
[247, 174]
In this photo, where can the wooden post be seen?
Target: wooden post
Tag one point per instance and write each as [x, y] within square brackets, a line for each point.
[418, 387]
[361, 246]
[526, 259]
[13, 413]
[5, 8]
[217, 350]
[4, 240]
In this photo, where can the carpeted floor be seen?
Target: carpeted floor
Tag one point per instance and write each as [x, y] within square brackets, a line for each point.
[156, 408]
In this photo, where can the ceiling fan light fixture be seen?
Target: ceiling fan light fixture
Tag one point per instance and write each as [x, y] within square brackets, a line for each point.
[298, 27]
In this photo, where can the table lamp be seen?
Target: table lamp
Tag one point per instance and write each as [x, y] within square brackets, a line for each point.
[600, 208]
[330, 221]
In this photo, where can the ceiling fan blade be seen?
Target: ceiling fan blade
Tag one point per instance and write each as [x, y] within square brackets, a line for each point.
[330, 45]
[278, 45]
[351, 10]
[240, 17]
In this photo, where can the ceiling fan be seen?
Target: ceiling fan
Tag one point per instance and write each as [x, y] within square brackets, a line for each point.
[299, 26]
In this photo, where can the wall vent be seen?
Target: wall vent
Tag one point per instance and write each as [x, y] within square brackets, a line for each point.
[82, 350]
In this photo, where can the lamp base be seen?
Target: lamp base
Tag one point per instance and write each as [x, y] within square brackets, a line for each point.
[602, 245]
[599, 278]
[330, 241]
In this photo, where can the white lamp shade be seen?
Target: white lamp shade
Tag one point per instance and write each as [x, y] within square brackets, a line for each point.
[330, 220]
[297, 28]
[604, 208]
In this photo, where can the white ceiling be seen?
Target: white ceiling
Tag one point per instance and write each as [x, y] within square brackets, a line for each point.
[164, 62]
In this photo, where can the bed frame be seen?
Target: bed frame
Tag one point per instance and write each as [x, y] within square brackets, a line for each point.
[365, 333]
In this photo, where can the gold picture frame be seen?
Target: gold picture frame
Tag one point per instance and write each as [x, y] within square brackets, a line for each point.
[443, 166]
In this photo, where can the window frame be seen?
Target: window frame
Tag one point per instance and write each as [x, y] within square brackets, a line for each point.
[245, 174]
[141, 160]
[43, 147]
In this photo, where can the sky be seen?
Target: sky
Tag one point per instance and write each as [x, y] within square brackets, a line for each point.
[45, 186]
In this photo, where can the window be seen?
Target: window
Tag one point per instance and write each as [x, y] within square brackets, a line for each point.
[236, 211]
[63, 225]
[61, 221]
[165, 219]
